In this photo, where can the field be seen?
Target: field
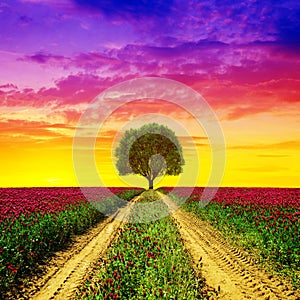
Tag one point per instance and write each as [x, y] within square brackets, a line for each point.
[248, 236]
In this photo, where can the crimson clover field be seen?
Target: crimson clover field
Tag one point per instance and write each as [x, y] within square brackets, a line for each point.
[36, 222]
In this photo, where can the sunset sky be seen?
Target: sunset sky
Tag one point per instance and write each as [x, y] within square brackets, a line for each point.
[243, 57]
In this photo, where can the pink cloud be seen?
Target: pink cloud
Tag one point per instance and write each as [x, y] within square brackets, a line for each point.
[287, 90]
[95, 60]
[8, 86]
[17, 97]
[243, 79]
[242, 100]
[239, 100]
[71, 90]
[240, 64]
[79, 88]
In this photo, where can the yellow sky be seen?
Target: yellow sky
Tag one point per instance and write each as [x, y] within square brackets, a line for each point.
[261, 150]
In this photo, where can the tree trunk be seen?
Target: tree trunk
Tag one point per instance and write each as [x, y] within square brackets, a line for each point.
[150, 183]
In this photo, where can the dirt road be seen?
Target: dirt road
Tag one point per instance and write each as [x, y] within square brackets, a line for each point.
[68, 269]
[224, 267]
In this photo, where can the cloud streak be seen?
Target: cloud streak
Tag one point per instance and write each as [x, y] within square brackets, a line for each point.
[291, 144]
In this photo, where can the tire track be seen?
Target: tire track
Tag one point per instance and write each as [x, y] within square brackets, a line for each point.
[225, 267]
[63, 283]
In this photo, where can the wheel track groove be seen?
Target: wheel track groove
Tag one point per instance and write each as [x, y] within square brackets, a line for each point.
[223, 265]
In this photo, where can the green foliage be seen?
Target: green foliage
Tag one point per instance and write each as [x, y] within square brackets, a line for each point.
[150, 151]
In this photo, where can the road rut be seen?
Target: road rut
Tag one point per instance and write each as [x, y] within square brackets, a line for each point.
[225, 267]
[69, 269]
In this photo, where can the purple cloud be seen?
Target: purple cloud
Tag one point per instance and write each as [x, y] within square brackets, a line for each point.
[43, 58]
[86, 61]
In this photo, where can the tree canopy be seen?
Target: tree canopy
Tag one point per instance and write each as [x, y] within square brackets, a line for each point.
[150, 151]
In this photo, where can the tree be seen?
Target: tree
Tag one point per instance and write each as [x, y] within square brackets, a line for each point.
[150, 151]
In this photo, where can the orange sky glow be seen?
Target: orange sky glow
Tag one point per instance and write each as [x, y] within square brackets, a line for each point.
[56, 57]
[34, 153]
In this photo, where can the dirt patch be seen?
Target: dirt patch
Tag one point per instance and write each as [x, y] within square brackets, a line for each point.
[226, 268]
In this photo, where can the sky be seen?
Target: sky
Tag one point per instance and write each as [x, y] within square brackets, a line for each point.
[243, 57]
